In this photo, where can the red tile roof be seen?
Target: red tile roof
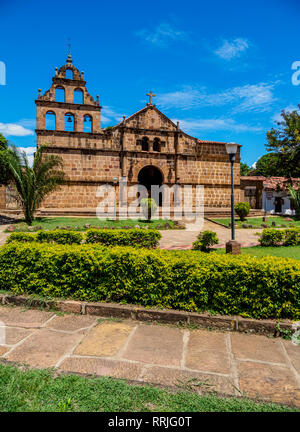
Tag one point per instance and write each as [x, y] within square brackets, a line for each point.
[274, 182]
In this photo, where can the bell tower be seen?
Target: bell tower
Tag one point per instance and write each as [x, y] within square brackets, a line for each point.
[67, 109]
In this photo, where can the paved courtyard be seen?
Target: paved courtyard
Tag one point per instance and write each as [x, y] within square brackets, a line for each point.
[183, 239]
[202, 360]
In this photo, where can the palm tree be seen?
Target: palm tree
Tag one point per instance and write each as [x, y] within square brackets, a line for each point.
[295, 195]
[34, 183]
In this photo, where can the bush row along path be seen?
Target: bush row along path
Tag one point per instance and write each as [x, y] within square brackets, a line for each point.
[235, 364]
[183, 239]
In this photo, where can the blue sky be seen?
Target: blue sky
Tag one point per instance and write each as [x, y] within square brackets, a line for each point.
[223, 69]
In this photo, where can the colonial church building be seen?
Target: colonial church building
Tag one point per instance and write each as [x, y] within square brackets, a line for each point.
[147, 148]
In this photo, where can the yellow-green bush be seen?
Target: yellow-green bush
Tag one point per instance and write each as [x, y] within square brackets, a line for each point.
[108, 237]
[124, 237]
[21, 237]
[55, 236]
[282, 237]
[191, 281]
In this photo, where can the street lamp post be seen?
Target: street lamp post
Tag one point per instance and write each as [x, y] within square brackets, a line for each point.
[232, 246]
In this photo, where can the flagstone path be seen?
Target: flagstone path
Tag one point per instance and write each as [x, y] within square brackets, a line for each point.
[183, 239]
[206, 361]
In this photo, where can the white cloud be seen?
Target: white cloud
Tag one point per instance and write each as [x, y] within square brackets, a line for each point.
[230, 49]
[109, 115]
[255, 97]
[14, 129]
[214, 124]
[185, 98]
[162, 35]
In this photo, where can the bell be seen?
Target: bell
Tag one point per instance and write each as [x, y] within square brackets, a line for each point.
[69, 119]
[85, 119]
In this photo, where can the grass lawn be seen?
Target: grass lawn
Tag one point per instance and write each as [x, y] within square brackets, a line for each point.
[50, 223]
[38, 390]
[256, 222]
[280, 251]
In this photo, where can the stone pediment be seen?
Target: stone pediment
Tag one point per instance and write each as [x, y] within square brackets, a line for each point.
[150, 118]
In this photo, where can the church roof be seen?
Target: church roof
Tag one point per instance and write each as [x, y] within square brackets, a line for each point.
[146, 108]
[150, 106]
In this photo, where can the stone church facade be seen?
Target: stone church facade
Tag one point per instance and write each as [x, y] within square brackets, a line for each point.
[146, 148]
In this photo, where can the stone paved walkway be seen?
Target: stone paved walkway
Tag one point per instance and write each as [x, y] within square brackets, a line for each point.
[223, 362]
[183, 239]
[3, 235]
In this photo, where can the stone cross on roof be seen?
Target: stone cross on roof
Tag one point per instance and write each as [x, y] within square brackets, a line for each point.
[151, 95]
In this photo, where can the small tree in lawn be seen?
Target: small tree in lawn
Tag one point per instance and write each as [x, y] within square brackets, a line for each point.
[204, 240]
[149, 207]
[295, 195]
[33, 183]
[242, 209]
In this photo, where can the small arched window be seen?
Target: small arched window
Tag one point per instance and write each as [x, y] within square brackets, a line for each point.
[69, 122]
[145, 144]
[69, 74]
[50, 120]
[78, 96]
[87, 123]
[59, 94]
[156, 145]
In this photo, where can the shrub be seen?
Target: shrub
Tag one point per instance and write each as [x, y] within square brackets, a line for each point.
[271, 237]
[242, 209]
[292, 237]
[204, 240]
[124, 237]
[258, 287]
[55, 236]
[21, 237]
[59, 236]
[149, 207]
[285, 237]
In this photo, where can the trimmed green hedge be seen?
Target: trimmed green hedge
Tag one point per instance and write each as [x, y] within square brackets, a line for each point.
[55, 236]
[21, 237]
[191, 281]
[124, 237]
[121, 237]
[282, 237]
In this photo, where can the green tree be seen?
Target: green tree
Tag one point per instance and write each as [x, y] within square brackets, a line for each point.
[242, 209]
[33, 183]
[269, 166]
[285, 142]
[4, 172]
[245, 170]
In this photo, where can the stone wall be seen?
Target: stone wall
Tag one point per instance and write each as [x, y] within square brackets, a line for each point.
[2, 197]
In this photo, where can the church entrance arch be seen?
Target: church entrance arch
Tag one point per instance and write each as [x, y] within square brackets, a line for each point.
[150, 176]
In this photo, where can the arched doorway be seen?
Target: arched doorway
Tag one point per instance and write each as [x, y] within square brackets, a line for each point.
[150, 176]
